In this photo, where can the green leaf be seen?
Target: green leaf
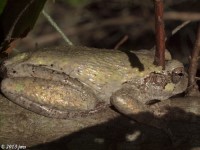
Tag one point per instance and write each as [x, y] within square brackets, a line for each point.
[2, 5]
[17, 19]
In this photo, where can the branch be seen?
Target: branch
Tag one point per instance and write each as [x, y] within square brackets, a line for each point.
[193, 87]
[160, 34]
[22, 127]
[183, 16]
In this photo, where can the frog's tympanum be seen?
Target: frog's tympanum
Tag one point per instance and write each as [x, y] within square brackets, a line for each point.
[67, 82]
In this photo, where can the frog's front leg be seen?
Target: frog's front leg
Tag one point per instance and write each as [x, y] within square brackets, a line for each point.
[51, 98]
[125, 101]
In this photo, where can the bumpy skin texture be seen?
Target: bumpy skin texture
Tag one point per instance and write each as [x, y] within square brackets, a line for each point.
[66, 82]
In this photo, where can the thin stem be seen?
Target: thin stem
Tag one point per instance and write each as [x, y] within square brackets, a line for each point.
[194, 64]
[160, 34]
[122, 41]
[52, 22]
[178, 28]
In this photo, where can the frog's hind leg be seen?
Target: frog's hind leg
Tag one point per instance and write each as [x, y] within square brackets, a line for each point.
[51, 98]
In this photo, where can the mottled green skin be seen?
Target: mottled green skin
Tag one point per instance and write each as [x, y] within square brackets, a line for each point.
[94, 74]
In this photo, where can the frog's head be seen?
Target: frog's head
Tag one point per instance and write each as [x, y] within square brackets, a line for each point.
[177, 76]
[166, 83]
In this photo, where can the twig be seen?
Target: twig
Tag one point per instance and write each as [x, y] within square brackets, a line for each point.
[184, 16]
[193, 90]
[160, 34]
[179, 27]
[197, 78]
[66, 39]
[124, 39]
[175, 30]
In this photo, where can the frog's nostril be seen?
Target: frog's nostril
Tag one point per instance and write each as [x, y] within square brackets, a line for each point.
[14, 71]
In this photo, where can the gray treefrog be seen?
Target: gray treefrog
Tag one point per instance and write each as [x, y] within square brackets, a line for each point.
[68, 82]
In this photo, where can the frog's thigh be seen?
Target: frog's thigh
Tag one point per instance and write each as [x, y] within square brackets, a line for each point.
[50, 98]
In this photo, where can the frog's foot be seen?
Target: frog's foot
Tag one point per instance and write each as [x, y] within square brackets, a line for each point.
[51, 98]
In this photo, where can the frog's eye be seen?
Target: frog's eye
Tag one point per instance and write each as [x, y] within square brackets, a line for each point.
[177, 74]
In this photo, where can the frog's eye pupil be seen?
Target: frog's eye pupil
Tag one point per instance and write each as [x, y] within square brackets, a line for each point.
[177, 74]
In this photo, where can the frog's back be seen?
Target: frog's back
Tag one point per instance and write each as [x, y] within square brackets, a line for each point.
[100, 69]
